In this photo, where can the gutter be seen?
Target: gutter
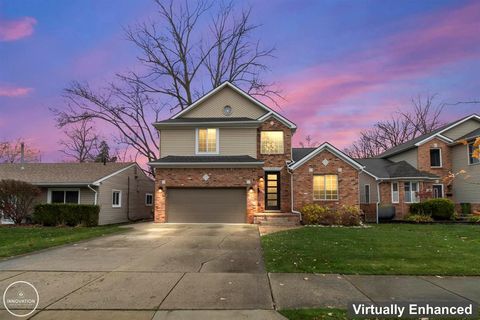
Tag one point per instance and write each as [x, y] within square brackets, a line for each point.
[96, 194]
[291, 195]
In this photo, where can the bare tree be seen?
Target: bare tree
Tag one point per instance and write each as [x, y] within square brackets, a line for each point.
[309, 142]
[179, 54]
[181, 60]
[423, 118]
[17, 199]
[11, 152]
[80, 142]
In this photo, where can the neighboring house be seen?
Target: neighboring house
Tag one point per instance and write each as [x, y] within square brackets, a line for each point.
[416, 169]
[122, 190]
[228, 158]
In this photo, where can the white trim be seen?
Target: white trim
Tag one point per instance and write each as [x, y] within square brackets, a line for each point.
[398, 191]
[254, 123]
[166, 164]
[217, 142]
[272, 168]
[96, 183]
[441, 159]
[49, 193]
[239, 91]
[443, 188]
[146, 197]
[439, 134]
[332, 149]
[119, 205]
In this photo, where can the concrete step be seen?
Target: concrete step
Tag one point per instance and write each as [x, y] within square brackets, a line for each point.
[277, 219]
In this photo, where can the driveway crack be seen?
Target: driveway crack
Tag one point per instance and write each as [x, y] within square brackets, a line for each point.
[170, 291]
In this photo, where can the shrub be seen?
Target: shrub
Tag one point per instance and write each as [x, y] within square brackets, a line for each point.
[346, 215]
[439, 209]
[466, 208]
[16, 199]
[475, 219]
[66, 214]
[350, 216]
[418, 218]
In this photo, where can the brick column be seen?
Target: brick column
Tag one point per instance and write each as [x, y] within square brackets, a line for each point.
[251, 203]
[159, 202]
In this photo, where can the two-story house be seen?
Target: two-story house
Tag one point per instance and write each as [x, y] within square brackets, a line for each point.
[228, 158]
[417, 169]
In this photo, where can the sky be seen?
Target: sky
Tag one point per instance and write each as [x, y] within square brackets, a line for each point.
[341, 65]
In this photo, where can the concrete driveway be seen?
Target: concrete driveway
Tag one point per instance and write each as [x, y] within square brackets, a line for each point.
[154, 267]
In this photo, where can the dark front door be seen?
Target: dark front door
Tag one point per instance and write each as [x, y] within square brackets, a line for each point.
[272, 190]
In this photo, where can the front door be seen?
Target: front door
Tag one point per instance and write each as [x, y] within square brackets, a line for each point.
[437, 190]
[272, 191]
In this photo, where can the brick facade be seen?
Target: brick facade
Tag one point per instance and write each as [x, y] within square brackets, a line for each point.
[348, 181]
[218, 177]
[402, 208]
[277, 160]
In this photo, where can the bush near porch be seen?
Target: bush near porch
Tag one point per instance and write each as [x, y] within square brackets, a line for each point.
[402, 249]
[438, 209]
[66, 214]
[314, 214]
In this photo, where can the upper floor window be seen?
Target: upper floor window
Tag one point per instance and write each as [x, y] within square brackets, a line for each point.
[207, 141]
[472, 158]
[271, 142]
[436, 157]
[325, 187]
[411, 192]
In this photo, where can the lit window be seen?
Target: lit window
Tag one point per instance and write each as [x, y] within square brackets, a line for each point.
[471, 157]
[436, 157]
[65, 196]
[207, 141]
[411, 192]
[325, 187]
[271, 142]
[116, 198]
[148, 199]
[395, 195]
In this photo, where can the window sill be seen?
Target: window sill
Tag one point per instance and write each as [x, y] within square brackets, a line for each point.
[116, 206]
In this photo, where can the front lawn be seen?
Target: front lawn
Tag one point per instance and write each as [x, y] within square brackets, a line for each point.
[379, 249]
[315, 314]
[18, 240]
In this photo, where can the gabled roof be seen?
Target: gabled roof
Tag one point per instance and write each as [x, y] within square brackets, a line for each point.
[299, 153]
[384, 169]
[471, 135]
[269, 111]
[198, 161]
[426, 137]
[324, 146]
[62, 173]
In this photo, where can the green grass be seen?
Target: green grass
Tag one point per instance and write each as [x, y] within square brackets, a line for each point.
[380, 249]
[315, 314]
[18, 240]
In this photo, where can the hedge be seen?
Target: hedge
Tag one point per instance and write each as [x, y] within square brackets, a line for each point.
[345, 215]
[66, 214]
[438, 209]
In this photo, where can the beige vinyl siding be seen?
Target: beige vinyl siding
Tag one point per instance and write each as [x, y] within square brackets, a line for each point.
[409, 156]
[213, 106]
[465, 189]
[87, 196]
[367, 179]
[177, 142]
[232, 141]
[462, 129]
[132, 199]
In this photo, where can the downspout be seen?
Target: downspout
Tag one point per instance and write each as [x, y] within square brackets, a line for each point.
[128, 199]
[291, 194]
[96, 194]
[378, 198]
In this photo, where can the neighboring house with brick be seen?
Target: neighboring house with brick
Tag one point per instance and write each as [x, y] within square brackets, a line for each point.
[122, 190]
[415, 170]
[228, 158]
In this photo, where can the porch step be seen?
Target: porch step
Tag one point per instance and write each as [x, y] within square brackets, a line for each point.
[277, 219]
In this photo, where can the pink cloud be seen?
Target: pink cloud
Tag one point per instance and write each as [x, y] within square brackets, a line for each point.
[326, 98]
[11, 30]
[8, 91]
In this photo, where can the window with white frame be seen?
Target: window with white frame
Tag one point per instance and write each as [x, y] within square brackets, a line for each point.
[395, 193]
[206, 141]
[148, 199]
[436, 158]
[472, 159]
[411, 192]
[325, 187]
[66, 196]
[367, 193]
[116, 198]
[271, 142]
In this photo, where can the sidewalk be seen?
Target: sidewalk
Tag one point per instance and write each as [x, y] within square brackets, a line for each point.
[301, 290]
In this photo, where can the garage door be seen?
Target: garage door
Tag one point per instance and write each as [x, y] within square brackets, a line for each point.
[206, 205]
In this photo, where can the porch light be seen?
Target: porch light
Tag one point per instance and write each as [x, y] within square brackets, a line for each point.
[250, 189]
[160, 189]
